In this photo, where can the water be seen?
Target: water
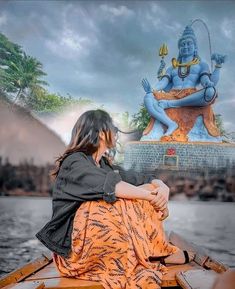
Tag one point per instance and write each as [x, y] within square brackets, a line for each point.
[211, 225]
[20, 219]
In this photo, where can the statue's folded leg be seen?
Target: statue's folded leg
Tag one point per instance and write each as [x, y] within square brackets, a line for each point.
[158, 113]
[202, 97]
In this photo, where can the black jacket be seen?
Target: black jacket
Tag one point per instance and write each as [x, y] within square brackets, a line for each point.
[80, 180]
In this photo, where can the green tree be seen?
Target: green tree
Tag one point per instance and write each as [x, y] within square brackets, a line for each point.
[41, 101]
[126, 121]
[229, 136]
[141, 119]
[219, 124]
[21, 75]
[9, 52]
[19, 72]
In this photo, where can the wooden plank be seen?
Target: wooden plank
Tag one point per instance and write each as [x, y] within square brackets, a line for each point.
[215, 265]
[26, 270]
[201, 257]
[169, 279]
[45, 273]
[50, 276]
[177, 240]
[71, 283]
[51, 265]
[24, 285]
[196, 279]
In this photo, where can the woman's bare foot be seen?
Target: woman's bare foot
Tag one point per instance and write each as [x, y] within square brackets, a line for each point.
[179, 258]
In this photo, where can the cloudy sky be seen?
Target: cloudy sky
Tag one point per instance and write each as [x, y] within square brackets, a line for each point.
[102, 49]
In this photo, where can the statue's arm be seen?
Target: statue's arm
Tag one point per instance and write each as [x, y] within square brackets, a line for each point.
[215, 75]
[219, 61]
[204, 76]
[166, 79]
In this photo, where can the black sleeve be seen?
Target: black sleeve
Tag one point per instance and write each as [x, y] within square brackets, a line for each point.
[133, 177]
[82, 181]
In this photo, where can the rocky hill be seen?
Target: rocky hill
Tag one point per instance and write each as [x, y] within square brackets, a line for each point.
[25, 138]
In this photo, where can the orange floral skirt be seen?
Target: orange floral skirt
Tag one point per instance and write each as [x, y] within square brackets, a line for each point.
[111, 244]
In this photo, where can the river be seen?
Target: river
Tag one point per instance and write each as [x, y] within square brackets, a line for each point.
[209, 224]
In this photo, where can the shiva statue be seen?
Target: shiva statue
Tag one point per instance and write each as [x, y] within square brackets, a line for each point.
[177, 87]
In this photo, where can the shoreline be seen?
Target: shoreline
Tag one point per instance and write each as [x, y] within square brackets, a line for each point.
[188, 202]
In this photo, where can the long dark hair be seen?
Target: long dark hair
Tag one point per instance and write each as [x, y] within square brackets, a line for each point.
[85, 135]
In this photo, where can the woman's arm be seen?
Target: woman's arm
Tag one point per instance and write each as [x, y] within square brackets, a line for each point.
[127, 191]
[152, 193]
[133, 177]
[86, 182]
[163, 190]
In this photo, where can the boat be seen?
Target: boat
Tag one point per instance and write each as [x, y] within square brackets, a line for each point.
[41, 273]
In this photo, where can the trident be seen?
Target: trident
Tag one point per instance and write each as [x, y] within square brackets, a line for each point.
[163, 51]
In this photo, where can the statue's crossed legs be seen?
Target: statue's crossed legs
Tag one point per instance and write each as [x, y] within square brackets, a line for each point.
[203, 97]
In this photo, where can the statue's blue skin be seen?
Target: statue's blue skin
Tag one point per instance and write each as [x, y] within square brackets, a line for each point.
[199, 74]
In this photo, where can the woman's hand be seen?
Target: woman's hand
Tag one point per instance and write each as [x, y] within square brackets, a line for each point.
[162, 188]
[165, 214]
[163, 191]
[158, 197]
[158, 193]
[160, 205]
[158, 200]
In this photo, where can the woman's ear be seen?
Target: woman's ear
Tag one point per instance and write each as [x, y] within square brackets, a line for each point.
[102, 136]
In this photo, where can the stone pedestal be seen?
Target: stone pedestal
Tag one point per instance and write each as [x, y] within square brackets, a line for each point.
[152, 155]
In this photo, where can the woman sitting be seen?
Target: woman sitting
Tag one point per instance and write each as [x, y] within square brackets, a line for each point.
[107, 224]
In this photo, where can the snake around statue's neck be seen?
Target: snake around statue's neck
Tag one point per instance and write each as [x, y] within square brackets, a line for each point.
[176, 63]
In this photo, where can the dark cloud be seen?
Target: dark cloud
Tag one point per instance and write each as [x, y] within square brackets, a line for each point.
[102, 49]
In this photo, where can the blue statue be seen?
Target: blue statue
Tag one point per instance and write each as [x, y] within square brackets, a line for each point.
[184, 75]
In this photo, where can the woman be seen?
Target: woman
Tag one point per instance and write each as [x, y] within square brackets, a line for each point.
[106, 224]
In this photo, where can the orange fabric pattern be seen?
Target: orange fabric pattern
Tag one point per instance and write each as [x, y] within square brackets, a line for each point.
[111, 244]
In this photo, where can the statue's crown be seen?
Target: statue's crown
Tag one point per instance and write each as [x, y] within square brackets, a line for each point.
[188, 32]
